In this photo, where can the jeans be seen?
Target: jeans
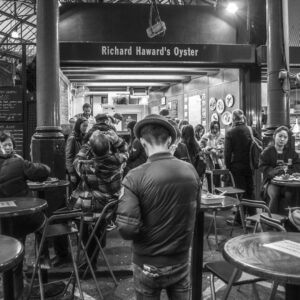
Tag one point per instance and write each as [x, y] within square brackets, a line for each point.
[175, 279]
[281, 198]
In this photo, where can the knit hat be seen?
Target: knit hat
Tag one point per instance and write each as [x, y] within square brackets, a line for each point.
[238, 116]
[155, 120]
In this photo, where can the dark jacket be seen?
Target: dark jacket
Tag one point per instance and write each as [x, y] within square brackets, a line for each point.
[157, 209]
[137, 156]
[73, 145]
[237, 147]
[182, 153]
[268, 161]
[14, 171]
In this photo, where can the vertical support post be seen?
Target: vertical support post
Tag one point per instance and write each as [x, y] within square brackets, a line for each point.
[48, 141]
[277, 91]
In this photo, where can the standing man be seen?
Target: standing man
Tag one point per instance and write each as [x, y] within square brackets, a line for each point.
[236, 153]
[87, 113]
[157, 211]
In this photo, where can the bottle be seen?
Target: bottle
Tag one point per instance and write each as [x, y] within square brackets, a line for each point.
[290, 164]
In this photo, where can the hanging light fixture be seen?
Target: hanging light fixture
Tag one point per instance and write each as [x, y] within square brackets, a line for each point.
[232, 7]
[14, 34]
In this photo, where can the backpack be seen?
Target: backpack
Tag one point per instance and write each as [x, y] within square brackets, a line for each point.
[254, 151]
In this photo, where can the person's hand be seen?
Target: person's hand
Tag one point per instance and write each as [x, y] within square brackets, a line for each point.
[73, 178]
[277, 171]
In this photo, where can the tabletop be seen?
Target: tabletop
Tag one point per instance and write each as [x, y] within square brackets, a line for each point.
[19, 206]
[227, 203]
[43, 186]
[288, 183]
[248, 253]
[11, 252]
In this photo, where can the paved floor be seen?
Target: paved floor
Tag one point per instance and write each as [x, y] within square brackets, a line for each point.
[119, 254]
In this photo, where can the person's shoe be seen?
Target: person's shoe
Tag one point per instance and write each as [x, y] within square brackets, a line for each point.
[59, 261]
[111, 226]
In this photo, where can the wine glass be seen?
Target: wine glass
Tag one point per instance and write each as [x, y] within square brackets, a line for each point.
[285, 168]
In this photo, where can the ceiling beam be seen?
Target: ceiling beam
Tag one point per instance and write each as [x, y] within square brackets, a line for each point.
[4, 13]
[119, 84]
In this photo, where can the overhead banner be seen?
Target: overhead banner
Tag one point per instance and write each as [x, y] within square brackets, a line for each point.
[217, 54]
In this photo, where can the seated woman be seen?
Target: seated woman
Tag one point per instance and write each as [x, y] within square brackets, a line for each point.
[271, 164]
[14, 171]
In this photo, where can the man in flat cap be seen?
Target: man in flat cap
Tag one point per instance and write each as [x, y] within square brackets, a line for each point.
[157, 211]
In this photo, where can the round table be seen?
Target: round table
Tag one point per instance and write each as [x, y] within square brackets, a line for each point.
[20, 206]
[248, 253]
[42, 187]
[11, 252]
[227, 203]
[287, 183]
[12, 207]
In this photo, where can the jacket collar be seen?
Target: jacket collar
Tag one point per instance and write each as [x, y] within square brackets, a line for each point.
[160, 155]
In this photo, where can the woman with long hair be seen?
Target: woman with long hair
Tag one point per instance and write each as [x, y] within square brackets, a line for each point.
[199, 132]
[137, 154]
[73, 145]
[194, 150]
[271, 163]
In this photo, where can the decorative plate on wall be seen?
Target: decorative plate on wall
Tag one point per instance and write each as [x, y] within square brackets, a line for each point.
[214, 117]
[226, 118]
[229, 100]
[220, 106]
[212, 103]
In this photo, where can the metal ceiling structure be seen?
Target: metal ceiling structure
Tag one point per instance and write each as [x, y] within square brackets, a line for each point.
[18, 27]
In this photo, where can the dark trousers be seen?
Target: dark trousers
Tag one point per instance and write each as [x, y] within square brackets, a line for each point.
[243, 178]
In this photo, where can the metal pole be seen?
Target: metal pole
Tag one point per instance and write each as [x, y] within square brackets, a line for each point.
[277, 90]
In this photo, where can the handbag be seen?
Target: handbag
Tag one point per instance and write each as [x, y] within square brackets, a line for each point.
[254, 151]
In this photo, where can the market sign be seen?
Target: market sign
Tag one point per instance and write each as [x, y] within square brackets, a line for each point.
[204, 53]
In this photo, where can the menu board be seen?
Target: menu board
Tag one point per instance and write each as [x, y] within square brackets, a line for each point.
[17, 131]
[11, 106]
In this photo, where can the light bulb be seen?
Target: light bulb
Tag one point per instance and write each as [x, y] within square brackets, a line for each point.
[232, 8]
[15, 34]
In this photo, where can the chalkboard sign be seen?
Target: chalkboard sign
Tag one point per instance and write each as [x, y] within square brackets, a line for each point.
[11, 106]
[17, 131]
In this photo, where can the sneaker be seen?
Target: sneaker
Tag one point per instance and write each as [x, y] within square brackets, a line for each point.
[111, 226]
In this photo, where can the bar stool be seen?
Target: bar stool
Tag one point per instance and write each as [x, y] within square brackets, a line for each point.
[103, 220]
[11, 256]
[62, 223]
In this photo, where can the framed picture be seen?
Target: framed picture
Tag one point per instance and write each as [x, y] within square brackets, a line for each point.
[163, 100]
[226, 118]
[212, 103]
[229, 100]
[220, 106]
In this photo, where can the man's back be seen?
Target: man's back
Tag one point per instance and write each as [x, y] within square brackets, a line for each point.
[157, 209]
[237, 147]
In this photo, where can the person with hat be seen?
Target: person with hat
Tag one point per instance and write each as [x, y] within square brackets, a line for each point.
[157, 211]
[103, 125]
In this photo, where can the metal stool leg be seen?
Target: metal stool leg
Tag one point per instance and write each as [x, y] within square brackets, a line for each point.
[212, 287]
[215, 228]
[74, 262]
[229, 285]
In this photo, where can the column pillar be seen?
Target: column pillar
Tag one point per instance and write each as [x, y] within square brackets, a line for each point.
[48, 140]
[277, 60]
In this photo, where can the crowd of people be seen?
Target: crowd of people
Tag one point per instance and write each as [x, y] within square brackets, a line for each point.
[157, 177]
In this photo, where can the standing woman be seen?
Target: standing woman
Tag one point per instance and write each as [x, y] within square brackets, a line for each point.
[271, 164]
[213, 143]
[73, 145]
[194, 150]
[137, 154]
[199, 132]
